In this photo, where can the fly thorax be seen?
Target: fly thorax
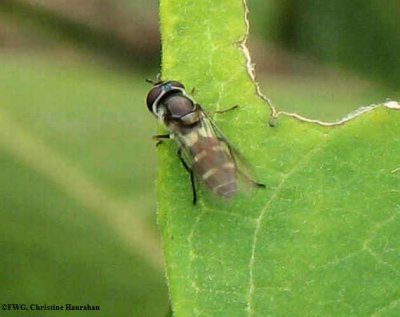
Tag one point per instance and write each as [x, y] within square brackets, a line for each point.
[180, 109]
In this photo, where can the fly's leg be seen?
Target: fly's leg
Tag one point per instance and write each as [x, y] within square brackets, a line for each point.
[228, 109]
[190, 171]
[161, 137]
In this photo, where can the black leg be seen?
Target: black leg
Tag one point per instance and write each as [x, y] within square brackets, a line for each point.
[161, 137]
[190, 171]
[228, 109]
[193, 188]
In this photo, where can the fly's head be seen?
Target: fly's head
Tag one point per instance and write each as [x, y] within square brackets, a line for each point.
[169, 102]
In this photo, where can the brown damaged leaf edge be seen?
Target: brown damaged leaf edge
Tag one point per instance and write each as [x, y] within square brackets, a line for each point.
[275, 114]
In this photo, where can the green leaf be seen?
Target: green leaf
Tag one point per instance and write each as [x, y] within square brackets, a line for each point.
[322, 239]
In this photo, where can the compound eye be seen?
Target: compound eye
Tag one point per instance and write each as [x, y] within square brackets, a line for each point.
[175, 84]
[152, 96]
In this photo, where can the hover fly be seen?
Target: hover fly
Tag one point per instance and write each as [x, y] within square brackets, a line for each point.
[203, 150]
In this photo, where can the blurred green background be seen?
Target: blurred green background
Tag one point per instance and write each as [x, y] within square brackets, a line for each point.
[77, 163]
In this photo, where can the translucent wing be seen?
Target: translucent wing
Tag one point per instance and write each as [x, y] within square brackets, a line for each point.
[243, 168]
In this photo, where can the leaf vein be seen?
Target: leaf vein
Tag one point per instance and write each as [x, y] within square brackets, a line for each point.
[264, 211]
[382, 261]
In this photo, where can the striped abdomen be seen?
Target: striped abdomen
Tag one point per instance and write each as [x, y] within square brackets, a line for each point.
[213, 163]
